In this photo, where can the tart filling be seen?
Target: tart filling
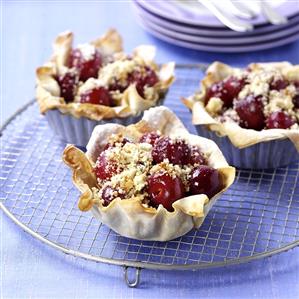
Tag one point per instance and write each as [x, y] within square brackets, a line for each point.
[97, 80]
[260, 98]
[152, 180]
[155, 169]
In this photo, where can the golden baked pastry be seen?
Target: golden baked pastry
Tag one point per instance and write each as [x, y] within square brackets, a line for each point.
[257, 104]
[98, 81]
[149, 181]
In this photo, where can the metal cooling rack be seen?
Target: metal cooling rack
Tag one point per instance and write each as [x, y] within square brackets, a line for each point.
[257, 217]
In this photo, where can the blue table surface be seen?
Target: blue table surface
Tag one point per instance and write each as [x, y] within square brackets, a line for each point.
[30, 269]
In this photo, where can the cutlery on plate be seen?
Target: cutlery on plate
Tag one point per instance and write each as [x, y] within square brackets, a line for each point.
[228, 20]
[272, 16]
[241, 10]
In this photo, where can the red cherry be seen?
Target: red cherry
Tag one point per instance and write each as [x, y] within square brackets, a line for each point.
[97, 96]
[87, 67]
[146, 78]
[109, 194]
[217, 90]
[117, 86]
[149, 78]
[226, 90]
[296, 101]
[197, 157]
[296, 98]
[205, 180]
[105, 168]
[234, 85]
[279, 120]
[165, 190]
[68, 83]
[278, 84]
[177, 152]
[182, 153]
[140, 88]
[149, 138]
[250, 111]
[161, 149]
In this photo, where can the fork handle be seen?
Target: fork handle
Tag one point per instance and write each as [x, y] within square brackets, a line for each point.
[228, 20]
[242, 10]
[273, 17]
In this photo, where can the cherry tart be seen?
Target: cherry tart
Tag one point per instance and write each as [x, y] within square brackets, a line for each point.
[96, 82]
[250, 106]
[155, 178]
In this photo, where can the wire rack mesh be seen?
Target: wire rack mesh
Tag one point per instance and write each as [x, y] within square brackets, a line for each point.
[257, 216]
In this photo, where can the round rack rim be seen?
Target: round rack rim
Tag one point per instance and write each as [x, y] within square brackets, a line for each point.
[136, 264]
[144, 265]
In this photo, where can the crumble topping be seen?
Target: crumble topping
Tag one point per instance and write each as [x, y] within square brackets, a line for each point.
[281, 100]
[126, 168]
[229, 115]
[90, 75]
[259, 82]
[118, 69]
[262, 98]
[88, 85]
[116, 74]
[134, 160]
[174, 171]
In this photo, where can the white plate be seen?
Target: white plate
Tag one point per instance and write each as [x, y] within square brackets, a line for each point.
[212, 32]
[222, 40]
[192, 13]
[221, 48]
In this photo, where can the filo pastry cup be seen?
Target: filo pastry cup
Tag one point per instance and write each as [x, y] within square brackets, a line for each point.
[130, 217]
[73, 122]
[244, 148]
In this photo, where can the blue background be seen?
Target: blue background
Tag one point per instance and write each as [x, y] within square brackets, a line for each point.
[29, 268]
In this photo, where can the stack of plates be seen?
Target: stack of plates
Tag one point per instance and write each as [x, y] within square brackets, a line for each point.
[188, 24]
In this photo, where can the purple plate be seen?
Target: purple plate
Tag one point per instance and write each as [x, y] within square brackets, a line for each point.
[221, 48]
[202, 31]
[224, 40]
[174, 10]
